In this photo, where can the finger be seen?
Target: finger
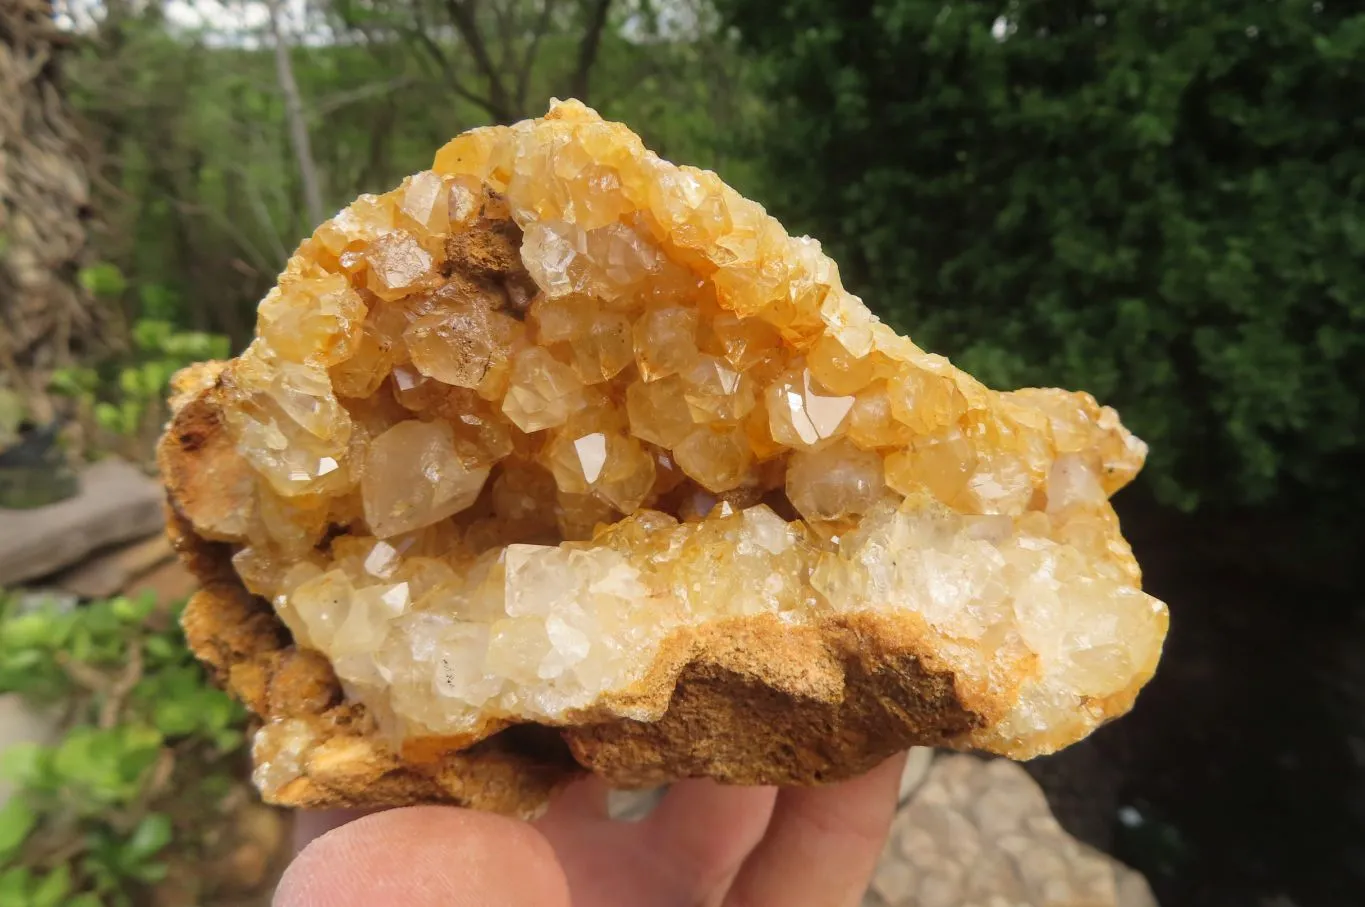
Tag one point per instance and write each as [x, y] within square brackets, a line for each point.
[426, 856]
[314, 823]
[688, 847]
[704, 830]
[822, 844]
[583, 799]
[599, 856]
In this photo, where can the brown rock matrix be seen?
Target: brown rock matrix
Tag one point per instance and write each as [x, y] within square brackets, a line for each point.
[562, 458]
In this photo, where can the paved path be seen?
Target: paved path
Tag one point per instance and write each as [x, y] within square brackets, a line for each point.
[974, 832]
[979, 832]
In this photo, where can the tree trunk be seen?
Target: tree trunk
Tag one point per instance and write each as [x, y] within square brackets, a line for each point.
[298, 126]
[45, 317]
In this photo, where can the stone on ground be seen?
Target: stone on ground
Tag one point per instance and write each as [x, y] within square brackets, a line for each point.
[110, 572]
[979, 832]
[116, 503]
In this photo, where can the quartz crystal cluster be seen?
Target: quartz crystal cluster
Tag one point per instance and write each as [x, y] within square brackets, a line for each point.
[509, 432]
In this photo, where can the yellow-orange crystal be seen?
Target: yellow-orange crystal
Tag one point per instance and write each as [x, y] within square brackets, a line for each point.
[492, 477]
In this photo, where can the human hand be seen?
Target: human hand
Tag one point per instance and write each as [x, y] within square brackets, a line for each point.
[704, 845]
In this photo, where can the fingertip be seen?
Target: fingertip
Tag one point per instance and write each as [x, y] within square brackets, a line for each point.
[310, 824]
[426, 856]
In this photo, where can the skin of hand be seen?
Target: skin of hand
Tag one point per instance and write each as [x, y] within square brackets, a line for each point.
[704, 845]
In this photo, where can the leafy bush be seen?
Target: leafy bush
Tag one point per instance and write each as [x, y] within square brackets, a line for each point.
[148, 751]
[1163, 203]
[123, 398]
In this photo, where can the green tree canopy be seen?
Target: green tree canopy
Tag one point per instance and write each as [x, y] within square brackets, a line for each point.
[1159, 202]
[199, 198]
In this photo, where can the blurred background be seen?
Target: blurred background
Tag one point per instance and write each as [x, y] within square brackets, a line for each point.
[1160, 202]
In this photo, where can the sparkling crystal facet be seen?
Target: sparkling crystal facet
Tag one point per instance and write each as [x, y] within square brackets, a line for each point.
[414, 477]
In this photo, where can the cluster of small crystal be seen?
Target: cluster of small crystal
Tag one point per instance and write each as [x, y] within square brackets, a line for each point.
[517, 420]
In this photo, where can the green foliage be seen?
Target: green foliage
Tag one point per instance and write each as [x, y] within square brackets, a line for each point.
[97, 814]
[17, 819]
[23, 888]
[124, 396]
[1162, 203]
[102, 279]
[691, 101]
[199, 192]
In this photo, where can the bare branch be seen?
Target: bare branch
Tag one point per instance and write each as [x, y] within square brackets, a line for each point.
[587, 48]
[118, 691]
[422, 35]
[529, 57]
[81, 673]
[114, 689]
[260, 262]
[364, 92]
[507, 34]
[462, 15]
[452, 79]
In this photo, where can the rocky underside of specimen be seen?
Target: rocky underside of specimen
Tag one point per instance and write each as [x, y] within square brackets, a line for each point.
[562, 458]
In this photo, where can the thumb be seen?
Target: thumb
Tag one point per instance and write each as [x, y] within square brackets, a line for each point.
[426, 856]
